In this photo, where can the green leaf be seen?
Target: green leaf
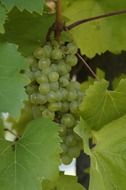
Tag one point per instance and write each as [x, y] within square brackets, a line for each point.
[64, 182]
[12, 92]
[27, 30]
[32, 158]
[100, 105]
[108, 157]
[32, 5]
[2, 18]
[101, 35]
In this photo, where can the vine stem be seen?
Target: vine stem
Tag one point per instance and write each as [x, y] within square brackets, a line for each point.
[79, 22]
[88, 67]
[58, 25]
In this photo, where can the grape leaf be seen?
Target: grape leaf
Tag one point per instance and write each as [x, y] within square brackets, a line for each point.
[108, 157]
[32, 158]
[101, 35]
[32, 5]
[12, 92]
[64, 182]
[27, 30]
[2, 18]
[101, 106]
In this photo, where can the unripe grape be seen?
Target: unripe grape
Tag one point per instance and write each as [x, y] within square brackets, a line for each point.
[72, 95]
[62, 130]
[47, 49]
[36, 111]
[48, 114]
[44, 63]
[66, 159]
[70, 140]
[53, 77]
[38, 53]
[71, 60]
[62, 68]
[54, 86]
[31, 60]
[74, 151]
[37, 98]
[74, 107]
[56, 54]
[68, 120]
[65, 107]
[52, 96]
[44, 88]
[54, 106]
[42, 79]
[64, 148]
[63, 81]
[71, 48]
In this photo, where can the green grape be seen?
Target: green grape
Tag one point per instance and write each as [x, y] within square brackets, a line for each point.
[54, 86]
[59, 95]
[54, 106]
[62, 68]
[68, 120]
[62, 130]
[74, 151]
[66, 159]
[37, 74]
[54, 67]
[44, 63]
[53, 77]
[52, 96]
[44, 88]
[31, 61]
[74, 85]
[36, 111]
[63, 81]
[32, 88]
[70, 140]
[72, 95]
[37, 98]
[64, 148]
[56, 54]
[71, 48]
[71, 60]
[65, 107]
[42, 79]
[64, 93]
[47, 49]
[74, 107]
[38, 53]
[48, 114]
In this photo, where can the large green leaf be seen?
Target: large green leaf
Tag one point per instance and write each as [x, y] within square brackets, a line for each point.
[34, 157]
[2, 18]
[32, 5]
[27, 30]
[64, 182]
[101, 105]
[12, 92]
[101, 35]
[108, 158]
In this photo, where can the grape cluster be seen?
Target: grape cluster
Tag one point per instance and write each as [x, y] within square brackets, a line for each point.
[54, 94]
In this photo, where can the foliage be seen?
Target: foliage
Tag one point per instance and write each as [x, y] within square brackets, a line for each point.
[31, 161]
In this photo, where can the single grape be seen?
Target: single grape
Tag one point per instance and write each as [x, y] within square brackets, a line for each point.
[65, 107]
[54, 106]
[54, 67]
[63, 81]
[54, 86]
[56, 54]
[71, 48]
[44, 88]
[53, 77]
[38, 53]
[47, 49]
[48, 114]
[68, 120]
[70, 140]
[66, 159]
[59, 95]
[74, 107]
[31, 61]
[64, 148]
[44, 63]
[72, 95]
[74, 151]
[64, 93]
[71, 60]
[37, 98]
[62, 68]
[62, 130]
[42, 79]
[52, 96]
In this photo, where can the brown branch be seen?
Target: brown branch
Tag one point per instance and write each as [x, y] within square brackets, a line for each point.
[58, 25]
[88, 67]
[79, 22]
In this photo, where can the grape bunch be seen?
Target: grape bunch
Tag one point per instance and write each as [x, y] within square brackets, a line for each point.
[54, 94]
